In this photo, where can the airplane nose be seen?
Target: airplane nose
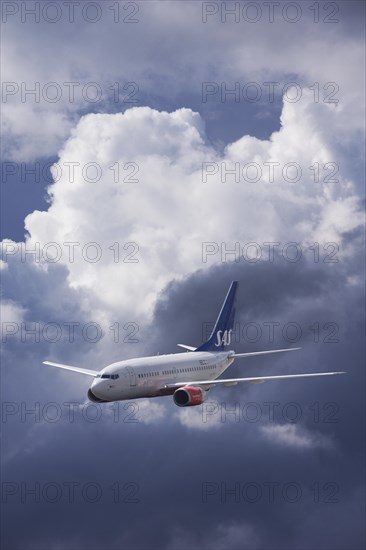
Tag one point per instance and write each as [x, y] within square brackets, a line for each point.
[96, 392]
[94, 398]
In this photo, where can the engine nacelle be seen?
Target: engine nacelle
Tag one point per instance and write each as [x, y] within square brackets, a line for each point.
[188, 396]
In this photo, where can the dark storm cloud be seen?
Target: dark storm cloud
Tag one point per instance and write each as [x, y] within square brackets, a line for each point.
[201, 299]
[169, 464]
[46, 300]
[306, 294]
[352, 14]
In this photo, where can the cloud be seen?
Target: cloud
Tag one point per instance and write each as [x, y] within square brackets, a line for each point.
[36, 125]
[225, 536]
[200, 418]
[291, 435]
[12, 312]
[161, 221]
[171, 460]
[150, 412]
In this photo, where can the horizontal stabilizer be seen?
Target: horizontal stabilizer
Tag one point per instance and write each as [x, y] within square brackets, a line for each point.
[190, 348]
[69, 367]
[252, 353]
[257, 379]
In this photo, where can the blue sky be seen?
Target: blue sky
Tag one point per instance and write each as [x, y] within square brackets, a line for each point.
[131, 227]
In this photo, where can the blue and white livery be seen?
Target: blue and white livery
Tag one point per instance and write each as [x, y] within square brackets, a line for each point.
[187, 376]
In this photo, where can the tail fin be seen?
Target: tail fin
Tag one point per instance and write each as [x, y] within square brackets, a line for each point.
[221, 335]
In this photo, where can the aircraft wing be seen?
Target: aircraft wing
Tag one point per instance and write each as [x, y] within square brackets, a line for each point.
[261, 352]
[69, 367]
[256, 379]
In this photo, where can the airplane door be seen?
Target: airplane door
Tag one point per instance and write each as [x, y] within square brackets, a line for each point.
[132, 374]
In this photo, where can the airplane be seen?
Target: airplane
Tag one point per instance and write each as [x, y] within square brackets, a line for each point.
[188, 376]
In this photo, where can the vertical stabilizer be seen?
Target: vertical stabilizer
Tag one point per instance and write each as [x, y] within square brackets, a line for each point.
[220, 337]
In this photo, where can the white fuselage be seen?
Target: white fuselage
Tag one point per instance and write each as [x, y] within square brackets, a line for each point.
[147, 376]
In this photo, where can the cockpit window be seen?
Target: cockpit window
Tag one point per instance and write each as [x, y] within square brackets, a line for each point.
[112, 376]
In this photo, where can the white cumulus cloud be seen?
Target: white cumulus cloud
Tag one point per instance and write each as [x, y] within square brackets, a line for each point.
[151, 197]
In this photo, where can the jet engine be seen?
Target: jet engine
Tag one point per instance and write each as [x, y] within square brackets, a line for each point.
[188, 396]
